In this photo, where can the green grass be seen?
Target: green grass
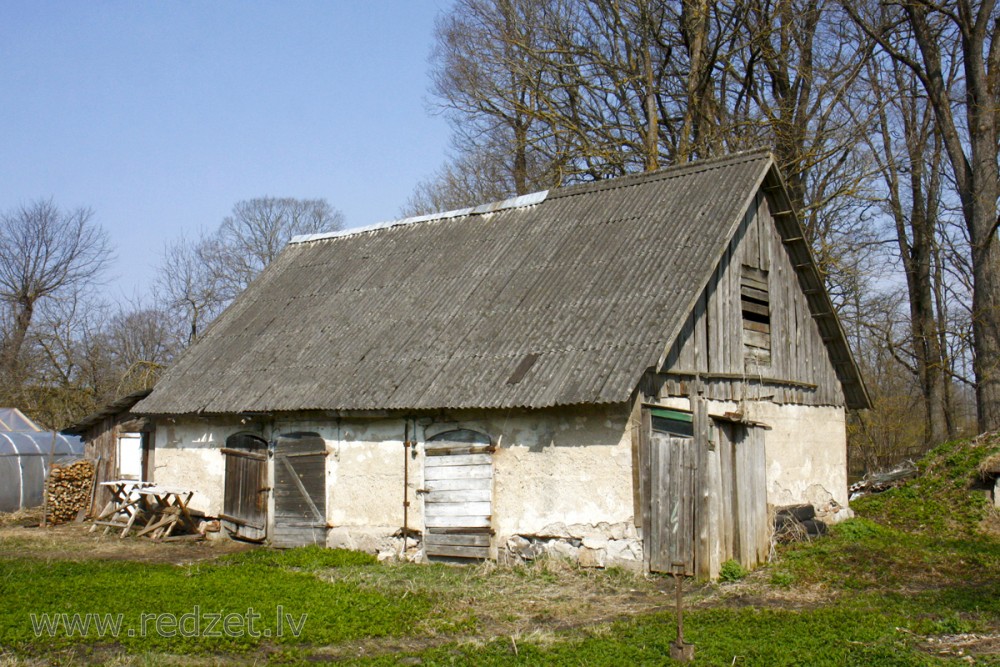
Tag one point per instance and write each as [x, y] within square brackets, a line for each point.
[940, 500]
[862, 632]
[915, 564]
[259, 580]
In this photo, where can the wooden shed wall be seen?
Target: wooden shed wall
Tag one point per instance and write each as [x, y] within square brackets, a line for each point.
[101, 441]
[711, 341]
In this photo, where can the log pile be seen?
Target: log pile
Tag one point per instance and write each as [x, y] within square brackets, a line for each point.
[69, 489]
[883, 481]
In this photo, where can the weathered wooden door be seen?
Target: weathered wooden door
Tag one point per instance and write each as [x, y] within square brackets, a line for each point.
[299, 490]
[458, 495]
[746, 530]
[244, 506]
[673, 472]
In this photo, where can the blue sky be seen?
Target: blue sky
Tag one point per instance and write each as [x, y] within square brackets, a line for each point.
[161, 115]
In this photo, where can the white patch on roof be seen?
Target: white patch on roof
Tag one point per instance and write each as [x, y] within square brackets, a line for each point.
[482, 209]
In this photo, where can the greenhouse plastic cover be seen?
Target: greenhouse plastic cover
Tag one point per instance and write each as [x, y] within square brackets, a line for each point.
[11, 419]
[24, 460]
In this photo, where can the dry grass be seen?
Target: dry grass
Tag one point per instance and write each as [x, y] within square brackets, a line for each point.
[549, 594]
[532, 604]
[757, 590]
[990, 465]
[74, 541]
[27, 517]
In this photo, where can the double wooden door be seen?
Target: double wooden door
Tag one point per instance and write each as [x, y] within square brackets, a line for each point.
[298, 470]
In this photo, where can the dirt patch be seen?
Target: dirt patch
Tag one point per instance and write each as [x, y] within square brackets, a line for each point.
[968, 646]
[75, 542]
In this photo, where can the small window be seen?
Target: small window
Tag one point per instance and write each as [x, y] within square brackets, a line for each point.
[755, 304]
[674, 422]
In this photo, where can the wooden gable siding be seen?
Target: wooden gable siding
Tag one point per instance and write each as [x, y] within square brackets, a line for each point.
[711, 341]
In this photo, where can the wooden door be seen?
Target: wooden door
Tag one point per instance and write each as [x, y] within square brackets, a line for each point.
[458, 495]
[244, 512]
[299, 490]
[673, 467]
[744, 506]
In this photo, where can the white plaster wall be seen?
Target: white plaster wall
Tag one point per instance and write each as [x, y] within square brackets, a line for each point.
[564, 474]
[806, 454]
[187, 456]
[560, 473]
[557, 473]
[367, 474]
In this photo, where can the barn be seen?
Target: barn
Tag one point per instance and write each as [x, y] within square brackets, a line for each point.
[629, 372]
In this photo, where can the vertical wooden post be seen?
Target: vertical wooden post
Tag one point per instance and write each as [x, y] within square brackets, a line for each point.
[703, 542]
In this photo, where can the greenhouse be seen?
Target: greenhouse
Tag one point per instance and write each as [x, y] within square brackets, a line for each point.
[25, 452]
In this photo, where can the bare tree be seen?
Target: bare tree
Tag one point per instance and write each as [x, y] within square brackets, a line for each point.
[187, 286]
[143, 342]
[43, 251]
[258, 229]
[918, 35]
[473, 178]
[909, 153]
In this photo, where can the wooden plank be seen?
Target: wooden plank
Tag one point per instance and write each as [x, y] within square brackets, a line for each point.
[763, 526]
[292, 455]
[753, 293]
[457, 460]
[645, 431]
[757, 339]
[466, 530]
[754, 276]
[458, 449]
[725, 448]
[460, 484]
[240, 521]
[244, 454]
[457, 521]
[483, 471]
[757, 308]
[459, 552]
[759, 327]
[463, 540]
[458, 509]
[460, 496]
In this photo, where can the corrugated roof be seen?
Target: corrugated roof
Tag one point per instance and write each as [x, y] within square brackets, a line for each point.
[595, 280]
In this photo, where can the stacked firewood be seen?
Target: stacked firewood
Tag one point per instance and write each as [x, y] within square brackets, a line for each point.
[69, 490]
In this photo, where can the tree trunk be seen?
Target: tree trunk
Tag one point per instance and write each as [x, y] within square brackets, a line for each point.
[977, 175]
[986, 318]
[694, 28]
[652, 143]
[10, 363]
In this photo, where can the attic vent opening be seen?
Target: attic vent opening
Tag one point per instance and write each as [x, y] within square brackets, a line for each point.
[755, 304]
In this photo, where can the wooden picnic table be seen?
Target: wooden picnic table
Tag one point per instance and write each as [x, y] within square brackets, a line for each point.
[124, 507]
[155, 510]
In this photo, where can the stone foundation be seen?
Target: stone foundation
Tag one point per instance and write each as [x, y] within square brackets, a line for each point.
[600, 545]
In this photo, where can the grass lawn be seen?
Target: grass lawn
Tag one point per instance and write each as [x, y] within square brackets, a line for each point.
[915, 580]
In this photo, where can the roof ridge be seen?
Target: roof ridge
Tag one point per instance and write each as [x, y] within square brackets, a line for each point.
[533, 198]
[672, 171]
[520, 201]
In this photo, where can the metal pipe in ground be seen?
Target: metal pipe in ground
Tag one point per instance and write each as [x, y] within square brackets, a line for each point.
[679, 649]
[406, 484]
